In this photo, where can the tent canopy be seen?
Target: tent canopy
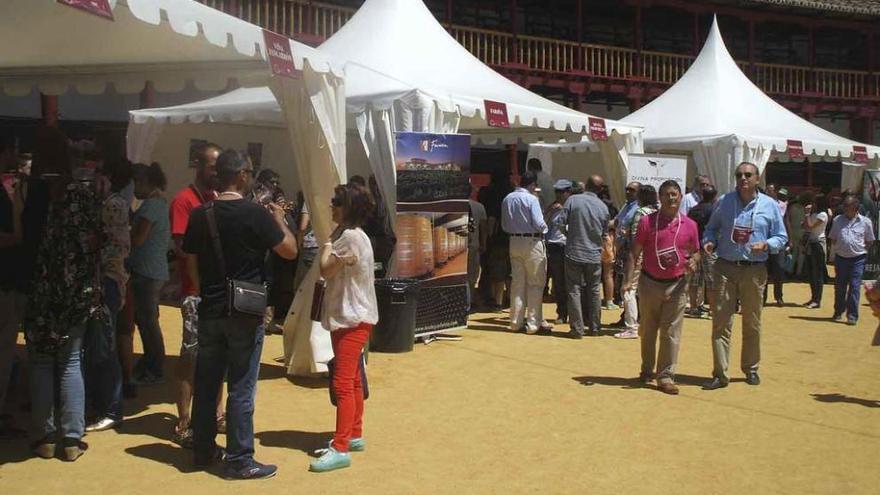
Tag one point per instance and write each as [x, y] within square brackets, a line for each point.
[404, 47]
[715, 113]
[166, 42]
[715, 100]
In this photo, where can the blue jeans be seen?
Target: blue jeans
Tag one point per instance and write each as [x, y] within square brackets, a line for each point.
[104, 378]
[145, 292]
[65, 368]
[847, 285]
[229, 347]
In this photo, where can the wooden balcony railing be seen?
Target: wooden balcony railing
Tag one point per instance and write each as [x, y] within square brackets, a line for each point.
[316, 21]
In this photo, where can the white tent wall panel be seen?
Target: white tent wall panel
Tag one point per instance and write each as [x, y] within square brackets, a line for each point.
[172, 150]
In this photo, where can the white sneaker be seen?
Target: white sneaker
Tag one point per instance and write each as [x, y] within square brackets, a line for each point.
[103, 424]
[627, 334]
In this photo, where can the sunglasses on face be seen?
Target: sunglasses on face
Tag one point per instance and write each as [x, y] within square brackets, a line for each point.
[249, 171]
[747, 175]
[630, 189]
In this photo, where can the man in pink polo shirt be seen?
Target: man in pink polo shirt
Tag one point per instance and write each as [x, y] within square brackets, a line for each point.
[670, 243]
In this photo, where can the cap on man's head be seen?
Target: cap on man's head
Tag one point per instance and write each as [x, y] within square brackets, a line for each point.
[782, 191]
[562, 185]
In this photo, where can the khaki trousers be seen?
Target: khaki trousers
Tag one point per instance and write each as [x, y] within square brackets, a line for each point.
[528, 266]
[661, 305]
[746, 284]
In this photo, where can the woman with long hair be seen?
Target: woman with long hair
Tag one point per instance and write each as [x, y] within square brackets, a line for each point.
[349, 312]
[64, 293]
[150, 239]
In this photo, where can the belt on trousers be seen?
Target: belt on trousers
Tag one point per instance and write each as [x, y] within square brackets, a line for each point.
[526, 235]
[662, 280]
[743, 262]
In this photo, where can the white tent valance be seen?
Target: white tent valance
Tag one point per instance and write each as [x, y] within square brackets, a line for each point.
[167, 42]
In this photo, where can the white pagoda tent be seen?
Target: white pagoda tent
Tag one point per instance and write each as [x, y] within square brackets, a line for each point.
[718, 117]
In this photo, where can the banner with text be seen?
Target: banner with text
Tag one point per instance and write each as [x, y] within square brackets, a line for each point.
[871, 208]
[433, 186]
[656, 169]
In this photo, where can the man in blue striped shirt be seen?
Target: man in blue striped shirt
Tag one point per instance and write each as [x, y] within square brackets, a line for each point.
[744, 229]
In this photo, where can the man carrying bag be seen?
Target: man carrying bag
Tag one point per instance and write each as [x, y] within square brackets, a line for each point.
[227, 241]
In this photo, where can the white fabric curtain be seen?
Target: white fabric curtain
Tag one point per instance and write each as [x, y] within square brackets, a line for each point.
[615, 157]
[140, 139]
[376, 127]
[851, 176]
[718, 158]
[615, 154]
[314, 109]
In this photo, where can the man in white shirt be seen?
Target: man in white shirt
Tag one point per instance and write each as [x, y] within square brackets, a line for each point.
[523, 220]
[694, 197]
[853, 234]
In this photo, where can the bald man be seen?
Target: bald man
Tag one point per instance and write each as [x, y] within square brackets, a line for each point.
[586, 219]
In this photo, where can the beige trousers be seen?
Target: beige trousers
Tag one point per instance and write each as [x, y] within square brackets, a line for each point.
[746, 284]
[661, 306]
[528, 266]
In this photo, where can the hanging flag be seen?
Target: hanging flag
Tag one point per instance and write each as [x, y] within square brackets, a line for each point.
[100, 8]
[598, 132]
[860, 154]
[795, 149]
[280, 55]
[496, 114]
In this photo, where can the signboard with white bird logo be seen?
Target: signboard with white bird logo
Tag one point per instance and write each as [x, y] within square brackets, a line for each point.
[656, 169]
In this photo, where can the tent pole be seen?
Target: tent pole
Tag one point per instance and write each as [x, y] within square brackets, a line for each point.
[514, 160]
[148, 96]
[49, 110]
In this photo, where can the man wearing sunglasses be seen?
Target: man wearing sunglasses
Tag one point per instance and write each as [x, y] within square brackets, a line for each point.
[745, 228]
[694, 197]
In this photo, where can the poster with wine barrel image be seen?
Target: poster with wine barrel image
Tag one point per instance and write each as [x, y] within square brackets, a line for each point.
[433, 185]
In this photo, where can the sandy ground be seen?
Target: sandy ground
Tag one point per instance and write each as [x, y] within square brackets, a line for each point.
[510, 413]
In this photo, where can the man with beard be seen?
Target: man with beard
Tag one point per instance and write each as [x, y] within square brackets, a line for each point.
[202, 190]
[227, 240]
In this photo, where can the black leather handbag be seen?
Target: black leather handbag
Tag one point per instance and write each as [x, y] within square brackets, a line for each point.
[243, 297]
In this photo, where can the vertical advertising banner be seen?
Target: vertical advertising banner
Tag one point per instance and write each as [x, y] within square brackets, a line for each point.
[871, 206]
[433, 186]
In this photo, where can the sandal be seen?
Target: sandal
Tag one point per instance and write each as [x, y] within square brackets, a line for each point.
[183, 437]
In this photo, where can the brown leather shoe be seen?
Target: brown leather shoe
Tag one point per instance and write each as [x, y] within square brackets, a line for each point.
[667, 387]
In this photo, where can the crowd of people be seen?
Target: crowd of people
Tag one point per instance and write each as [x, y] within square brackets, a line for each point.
[87, 243]
[664, 255]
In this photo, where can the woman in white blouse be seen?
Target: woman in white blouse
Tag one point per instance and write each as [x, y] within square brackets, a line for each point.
[349, 312]
[815, 219]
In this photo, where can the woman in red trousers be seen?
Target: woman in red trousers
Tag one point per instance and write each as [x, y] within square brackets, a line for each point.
[349, 312]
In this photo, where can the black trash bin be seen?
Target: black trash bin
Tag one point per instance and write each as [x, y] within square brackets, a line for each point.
[396, 329]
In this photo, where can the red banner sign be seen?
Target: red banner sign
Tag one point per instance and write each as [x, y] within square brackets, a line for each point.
[598, 132]
[496, 114]
[100, 8]
[280, 55]
[860, 154]
[795, 149]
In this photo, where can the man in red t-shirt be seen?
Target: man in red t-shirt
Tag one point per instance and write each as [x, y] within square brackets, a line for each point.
[670, 244]
[202, 190]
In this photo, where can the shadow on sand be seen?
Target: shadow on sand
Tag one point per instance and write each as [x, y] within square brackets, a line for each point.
[836, 398]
